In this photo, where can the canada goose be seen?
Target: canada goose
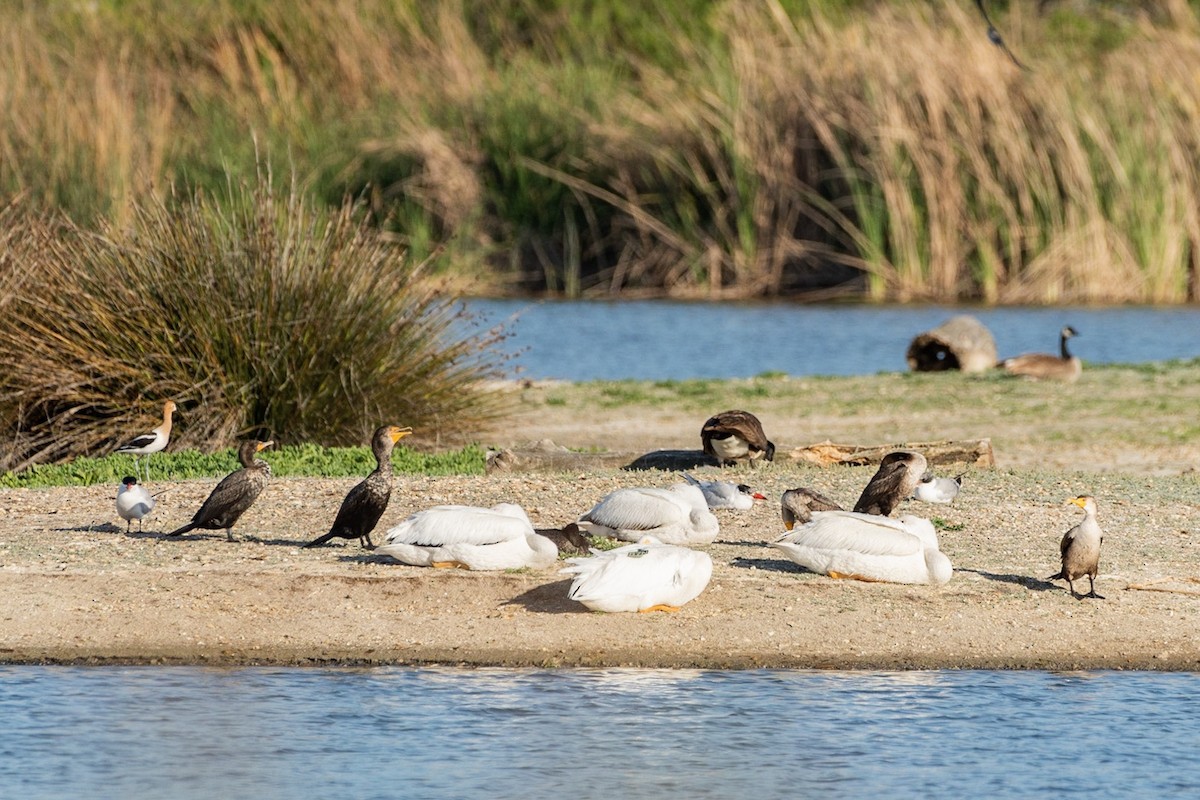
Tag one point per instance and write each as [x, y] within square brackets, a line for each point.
[647, 576]
[867, 547]
[735, 436]
[133, 502]
[1064, 367]
[468, 537]
[725, 494]
[1080, 549]
[677, 515]
[236, 492]
[932, 489]
[366, 502]
[898, 475]
[152, 442]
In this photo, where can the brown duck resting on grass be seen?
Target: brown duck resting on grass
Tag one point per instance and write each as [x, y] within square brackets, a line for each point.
[734, 437]
[1063, 367]
[236, 492]
[365, 503]
[1080, 549]
[153, 442]
[894, 481]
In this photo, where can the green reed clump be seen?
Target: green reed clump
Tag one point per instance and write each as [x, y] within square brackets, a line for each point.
[257, 313]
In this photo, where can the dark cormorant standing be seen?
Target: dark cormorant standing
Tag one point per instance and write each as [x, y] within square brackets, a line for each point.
[236, 492]
[366, 502]
[896, 479]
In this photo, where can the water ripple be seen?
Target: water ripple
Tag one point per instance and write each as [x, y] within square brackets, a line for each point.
[393, 732]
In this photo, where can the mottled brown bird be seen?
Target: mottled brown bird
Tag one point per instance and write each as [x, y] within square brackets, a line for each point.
[1080, 549]
[1044, 366]
[735, 436]
[365, 503]
[236, 492]
[898, 475]
[797, 506]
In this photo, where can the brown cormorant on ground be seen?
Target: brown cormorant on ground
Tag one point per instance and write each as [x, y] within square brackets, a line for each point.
[366, 502]
[236, 492]
[1080, 549]
[898, 475]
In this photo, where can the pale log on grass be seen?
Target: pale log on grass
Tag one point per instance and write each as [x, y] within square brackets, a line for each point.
[976, 453]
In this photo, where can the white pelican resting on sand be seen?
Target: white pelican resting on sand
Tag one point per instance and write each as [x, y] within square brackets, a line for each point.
[153, 442]
[678, 515]
[867, 547]
[726, 494]
[468, 537]
[647, 576]
[133, 502]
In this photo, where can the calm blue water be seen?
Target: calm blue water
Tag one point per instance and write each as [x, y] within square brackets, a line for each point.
[657, 340]
[441, 733]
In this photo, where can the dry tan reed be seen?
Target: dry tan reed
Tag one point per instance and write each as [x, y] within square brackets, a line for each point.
[893, 152]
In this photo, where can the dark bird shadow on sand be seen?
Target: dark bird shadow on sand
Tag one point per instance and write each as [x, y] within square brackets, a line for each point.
[1034, 584]
[549, 598]
[367, 557]
[768, 564]
[108, 527]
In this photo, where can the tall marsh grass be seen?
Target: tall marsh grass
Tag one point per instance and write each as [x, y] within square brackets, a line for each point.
[880, 150]
[259, 314]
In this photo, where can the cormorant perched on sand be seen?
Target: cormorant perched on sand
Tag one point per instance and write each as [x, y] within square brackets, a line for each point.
[152, 442]
[366, 502]
[898, 475]
[236, 492]
[1080, 549]
[734, 436]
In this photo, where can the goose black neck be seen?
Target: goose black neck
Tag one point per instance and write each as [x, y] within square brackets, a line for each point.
[1062, 345]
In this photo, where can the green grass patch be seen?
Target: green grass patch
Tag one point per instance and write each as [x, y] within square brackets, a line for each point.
[306, 460]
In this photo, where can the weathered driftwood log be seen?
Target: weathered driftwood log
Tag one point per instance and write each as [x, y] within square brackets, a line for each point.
[961, 343]
[976, 453]
[546, 455]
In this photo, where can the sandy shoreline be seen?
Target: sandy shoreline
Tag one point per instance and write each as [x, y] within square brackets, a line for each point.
[74, 588]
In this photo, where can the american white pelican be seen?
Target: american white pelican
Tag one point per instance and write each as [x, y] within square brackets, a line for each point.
[932, 489]
[236, 492]
[152, 442]
[133, 502]
[678, 515]
[725, 494]
[647, 576]
[735, 436]
[867, 547]
[500, 537]
[366, 502]
[1080, 549]
[1064, 367]
[894, 481]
